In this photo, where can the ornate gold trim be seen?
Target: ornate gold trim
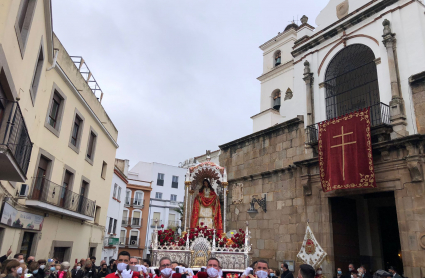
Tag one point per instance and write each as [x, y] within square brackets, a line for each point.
[366, 179]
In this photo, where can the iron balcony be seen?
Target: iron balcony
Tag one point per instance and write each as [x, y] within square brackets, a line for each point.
[379, 115]
[134, 202]
[50, 196]
[15, 142]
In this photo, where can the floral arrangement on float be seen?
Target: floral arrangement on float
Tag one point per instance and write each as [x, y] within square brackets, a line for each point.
[168, 237]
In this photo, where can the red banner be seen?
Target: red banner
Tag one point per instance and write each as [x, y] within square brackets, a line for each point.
[345, 152]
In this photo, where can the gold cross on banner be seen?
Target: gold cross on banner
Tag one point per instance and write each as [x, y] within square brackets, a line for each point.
[343, 144]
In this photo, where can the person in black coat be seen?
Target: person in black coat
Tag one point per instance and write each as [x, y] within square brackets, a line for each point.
[112, 268]
[41, 273]
[3, 258]
[351, 269]
[87, 271]
[103, 271]
[76, 270]
[285, 272]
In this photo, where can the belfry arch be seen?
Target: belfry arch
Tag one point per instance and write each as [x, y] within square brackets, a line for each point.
[352, 82]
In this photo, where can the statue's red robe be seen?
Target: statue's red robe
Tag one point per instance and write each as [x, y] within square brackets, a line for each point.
[212, 201]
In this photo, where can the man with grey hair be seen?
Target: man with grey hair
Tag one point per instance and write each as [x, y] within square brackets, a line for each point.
[165, 267]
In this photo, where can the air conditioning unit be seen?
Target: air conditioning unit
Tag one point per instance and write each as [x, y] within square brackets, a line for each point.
[133, 242]
[23, 192]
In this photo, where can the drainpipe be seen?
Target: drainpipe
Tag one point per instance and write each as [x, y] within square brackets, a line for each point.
[54, 60]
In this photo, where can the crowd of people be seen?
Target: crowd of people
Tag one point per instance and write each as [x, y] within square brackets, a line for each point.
[131, 267]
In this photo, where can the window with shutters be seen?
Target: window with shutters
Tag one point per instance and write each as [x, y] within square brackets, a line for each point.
[136, 219]
[160, 179]
[111, 220]
[91, 146]
[119, 193]
[104, 169]
[55, 112]
[134, 238]
[124, 218]
[175, 182]
[37, 74]
[23, 23]
[156, 220]
[115, 227]
[76, 131]
[123, 235]
[115, 190]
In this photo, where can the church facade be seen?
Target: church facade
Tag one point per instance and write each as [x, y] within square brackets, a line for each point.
[361, 54]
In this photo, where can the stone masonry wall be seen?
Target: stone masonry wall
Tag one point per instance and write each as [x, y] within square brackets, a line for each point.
[276, 162]
[263, 162]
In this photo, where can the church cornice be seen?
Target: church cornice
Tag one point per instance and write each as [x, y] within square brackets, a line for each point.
[332, 30]
[276, 70]
[265, 111]
[277, 38]
[292, 122]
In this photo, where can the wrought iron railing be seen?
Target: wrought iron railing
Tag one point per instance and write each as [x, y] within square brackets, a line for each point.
[153, 224]
[16, 136]
[172, 223]
[379, 114]
[125, 221]
[49, 192]
[136, 202]
[136, 222]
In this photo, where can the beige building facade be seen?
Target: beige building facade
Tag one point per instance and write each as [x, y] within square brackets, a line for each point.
[57, 146]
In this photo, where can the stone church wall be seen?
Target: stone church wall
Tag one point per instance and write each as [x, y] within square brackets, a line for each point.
[263, 163]
[276, 162]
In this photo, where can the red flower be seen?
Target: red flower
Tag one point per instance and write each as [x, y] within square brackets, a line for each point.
[202, 223]
[234, 245]
[162, 225]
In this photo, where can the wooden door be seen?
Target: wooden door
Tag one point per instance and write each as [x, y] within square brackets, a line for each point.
[345, 233]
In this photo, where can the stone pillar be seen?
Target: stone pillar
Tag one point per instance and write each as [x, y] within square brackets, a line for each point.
[308, 78]
[397, 112]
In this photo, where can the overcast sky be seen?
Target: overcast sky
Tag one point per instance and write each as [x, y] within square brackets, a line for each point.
[178, 76]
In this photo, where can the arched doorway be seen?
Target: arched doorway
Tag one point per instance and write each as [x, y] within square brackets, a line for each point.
[352, 82]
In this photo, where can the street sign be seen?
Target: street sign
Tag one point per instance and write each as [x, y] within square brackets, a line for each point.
[113, 241]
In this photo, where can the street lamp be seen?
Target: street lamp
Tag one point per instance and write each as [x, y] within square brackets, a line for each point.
[261, 202]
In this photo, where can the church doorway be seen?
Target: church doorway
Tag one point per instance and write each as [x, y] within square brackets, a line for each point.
[365, 231]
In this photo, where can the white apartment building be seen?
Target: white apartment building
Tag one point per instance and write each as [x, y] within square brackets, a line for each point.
[167, 193]
[115, 210]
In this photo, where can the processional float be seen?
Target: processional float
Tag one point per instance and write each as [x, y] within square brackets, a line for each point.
[204, 234]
